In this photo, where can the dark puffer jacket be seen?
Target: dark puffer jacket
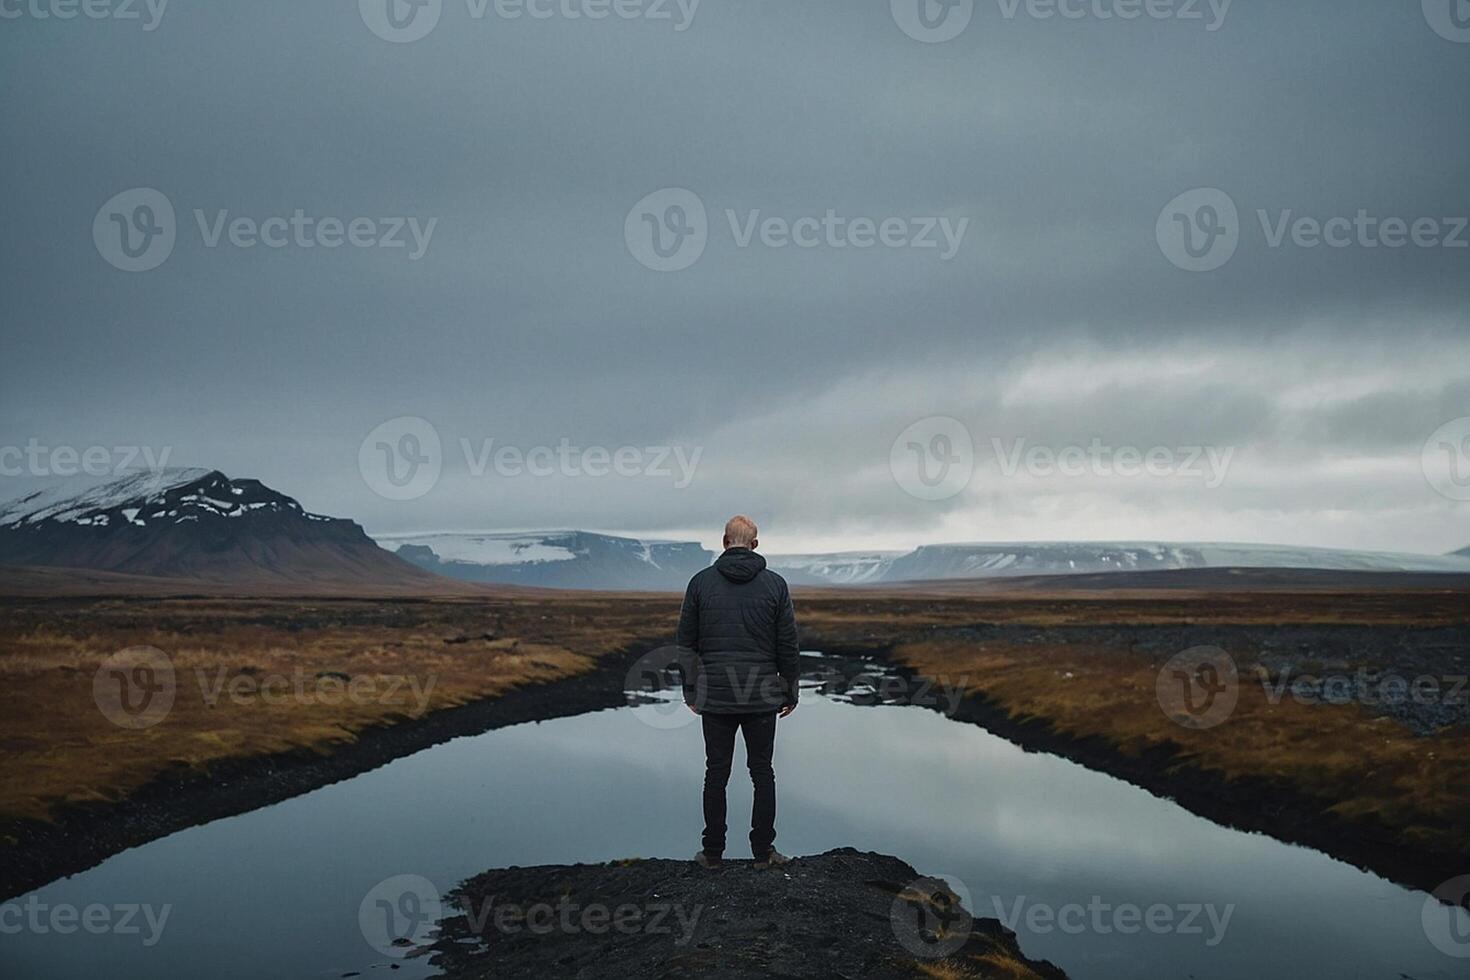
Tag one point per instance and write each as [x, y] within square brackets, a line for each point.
[737, 616]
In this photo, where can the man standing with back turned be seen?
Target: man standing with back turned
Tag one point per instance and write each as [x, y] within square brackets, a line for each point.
[737, 617]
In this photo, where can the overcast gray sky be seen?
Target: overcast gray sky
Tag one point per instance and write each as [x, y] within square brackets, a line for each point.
[1062, 310]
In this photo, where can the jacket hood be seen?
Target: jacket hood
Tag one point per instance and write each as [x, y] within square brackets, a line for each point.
[740, 564]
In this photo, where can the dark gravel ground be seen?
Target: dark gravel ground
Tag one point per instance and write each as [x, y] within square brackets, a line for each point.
[844, 913]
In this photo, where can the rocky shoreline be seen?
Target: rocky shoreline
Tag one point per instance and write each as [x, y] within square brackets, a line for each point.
[844, 913]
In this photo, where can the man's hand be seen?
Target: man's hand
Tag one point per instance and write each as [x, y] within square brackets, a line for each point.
[786, 711]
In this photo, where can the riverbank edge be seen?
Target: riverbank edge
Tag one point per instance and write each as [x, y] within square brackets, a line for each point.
[1247, 804]
[36, 853]
[83, 835]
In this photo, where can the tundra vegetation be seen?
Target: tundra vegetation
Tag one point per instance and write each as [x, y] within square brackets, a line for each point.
[267, 676]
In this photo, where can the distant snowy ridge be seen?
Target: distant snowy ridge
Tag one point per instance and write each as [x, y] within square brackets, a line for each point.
[1004, 559]
[840, 568]
[553, 559]
[485, 549]
[587, 560]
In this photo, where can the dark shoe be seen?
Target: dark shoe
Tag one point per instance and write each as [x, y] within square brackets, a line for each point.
[710, 861]
[773, 859]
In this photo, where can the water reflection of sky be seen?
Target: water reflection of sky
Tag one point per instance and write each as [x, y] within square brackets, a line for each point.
[277, 891]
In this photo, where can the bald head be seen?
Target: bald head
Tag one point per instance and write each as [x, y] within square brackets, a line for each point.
[740, 532]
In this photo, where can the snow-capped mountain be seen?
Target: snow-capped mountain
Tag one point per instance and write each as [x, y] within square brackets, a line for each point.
[192, 523]
[554, 559]
[200, 524]
[954, 561]
[841, 568]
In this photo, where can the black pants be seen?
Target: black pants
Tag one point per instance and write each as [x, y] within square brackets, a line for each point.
[719, 752]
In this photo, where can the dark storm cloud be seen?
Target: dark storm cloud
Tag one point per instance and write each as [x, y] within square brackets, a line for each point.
[527, 319]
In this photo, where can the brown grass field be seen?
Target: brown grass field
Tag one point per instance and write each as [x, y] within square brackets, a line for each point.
[59, 748]
[419, 656]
